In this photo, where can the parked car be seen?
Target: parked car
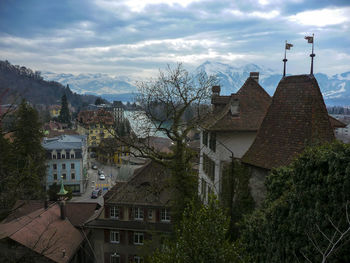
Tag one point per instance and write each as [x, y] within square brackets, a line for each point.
[102, 177]
[94, 167]
[100, 172]
[96, 193]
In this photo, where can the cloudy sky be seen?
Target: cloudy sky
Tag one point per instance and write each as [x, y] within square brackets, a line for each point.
[138, 37]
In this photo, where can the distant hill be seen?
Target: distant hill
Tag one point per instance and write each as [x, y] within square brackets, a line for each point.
[335, 89]
[17, 82]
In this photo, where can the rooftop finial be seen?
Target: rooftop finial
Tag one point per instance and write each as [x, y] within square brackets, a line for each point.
[62, 191]
[287, 46]
[310, 39]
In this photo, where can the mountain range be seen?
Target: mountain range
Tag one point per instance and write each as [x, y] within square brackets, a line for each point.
[335, 89]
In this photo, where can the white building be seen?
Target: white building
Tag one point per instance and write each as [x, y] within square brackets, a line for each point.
[229, 131]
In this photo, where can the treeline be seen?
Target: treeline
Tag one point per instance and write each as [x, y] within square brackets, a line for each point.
[19, 82]
[338, 110]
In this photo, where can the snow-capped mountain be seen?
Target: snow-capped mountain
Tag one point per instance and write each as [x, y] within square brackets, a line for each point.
[96, 84]
[335, 89]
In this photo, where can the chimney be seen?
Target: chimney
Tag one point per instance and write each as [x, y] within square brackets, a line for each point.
[63, 209]
[255, 76]
[215, 91]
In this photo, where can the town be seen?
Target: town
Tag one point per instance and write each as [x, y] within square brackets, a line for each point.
[208, 159]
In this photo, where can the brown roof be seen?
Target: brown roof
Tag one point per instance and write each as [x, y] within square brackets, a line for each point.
[44, 232]
[94, 117]
[149, 186]
[296, 118]
[77, 212]
[242, 111]
[336, 123]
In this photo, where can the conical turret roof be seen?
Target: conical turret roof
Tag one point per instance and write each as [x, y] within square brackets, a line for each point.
[296, 118]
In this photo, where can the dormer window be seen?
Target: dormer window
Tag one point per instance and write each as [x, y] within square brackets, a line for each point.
[205, 138]
[234, 107]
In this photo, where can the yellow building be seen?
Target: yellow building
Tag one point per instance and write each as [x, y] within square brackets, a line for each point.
[97, 125]
[54, 110]
[111, 150]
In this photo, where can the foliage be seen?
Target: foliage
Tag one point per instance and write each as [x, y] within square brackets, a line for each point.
[236, 195]
[22, 162]
[176, 91]
[54, 189]
[123, 128]
[201, 237]
[64, 116]
[99, 101]
[305, 201]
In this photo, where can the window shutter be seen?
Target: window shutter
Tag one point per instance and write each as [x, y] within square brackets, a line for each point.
[130, 213]
[131, 237]
[107, 257]
[145, 215]
[157, 215]
[121, 209]
[107, 211]
[121, 237]
[107, 235]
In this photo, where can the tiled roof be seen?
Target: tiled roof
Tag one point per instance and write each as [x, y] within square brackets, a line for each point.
[44, 232]
[242, 111]
[64, 142]
[148, 186]
[95, 117]
[336, 123]
[296, 118]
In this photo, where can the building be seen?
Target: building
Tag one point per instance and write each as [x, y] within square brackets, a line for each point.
[67, 159]
[112, 151]
[135, 213]
[297, 118]
[118, 111]
[54, 110]
[40, 232]
[229, 130]
[97, 125]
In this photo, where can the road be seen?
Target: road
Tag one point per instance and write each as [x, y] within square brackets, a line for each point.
[112, 173]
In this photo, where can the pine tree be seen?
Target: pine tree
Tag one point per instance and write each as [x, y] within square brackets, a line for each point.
[64, 116]
[29, 155]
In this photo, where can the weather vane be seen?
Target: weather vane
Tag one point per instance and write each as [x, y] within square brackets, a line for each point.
[287, 46]
[310, 40]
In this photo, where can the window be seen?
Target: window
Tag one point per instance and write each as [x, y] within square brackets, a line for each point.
[138, 213]
[54, 156]
[205, 138]
[72, 156]
[54, 166]
[114, 212]
[138, 238]
[72, 166]
[55, 177]
[150, 213]
[72, 175]
[115, 258]
[64, 176]
[209, 167]
[63, 166]
[212, 141]
[114, 236]
[63, 156]
[138, 259]
[165, 215]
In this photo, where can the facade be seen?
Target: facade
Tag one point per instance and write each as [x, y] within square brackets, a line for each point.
[135, 213]
[67, 159]
[297, 118]
[54, 111]
[229, 131]
[118, 111]
[97, 125]
[112, 151]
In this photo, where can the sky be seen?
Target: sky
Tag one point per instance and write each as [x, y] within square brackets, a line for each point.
[136, 38]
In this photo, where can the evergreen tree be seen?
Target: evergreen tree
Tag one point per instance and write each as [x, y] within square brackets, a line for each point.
[201, 237]
[306, 210]
[29, 164]
[64, 116]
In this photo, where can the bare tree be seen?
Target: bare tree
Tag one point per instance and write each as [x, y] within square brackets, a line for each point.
[174, 104]
[336, 240]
